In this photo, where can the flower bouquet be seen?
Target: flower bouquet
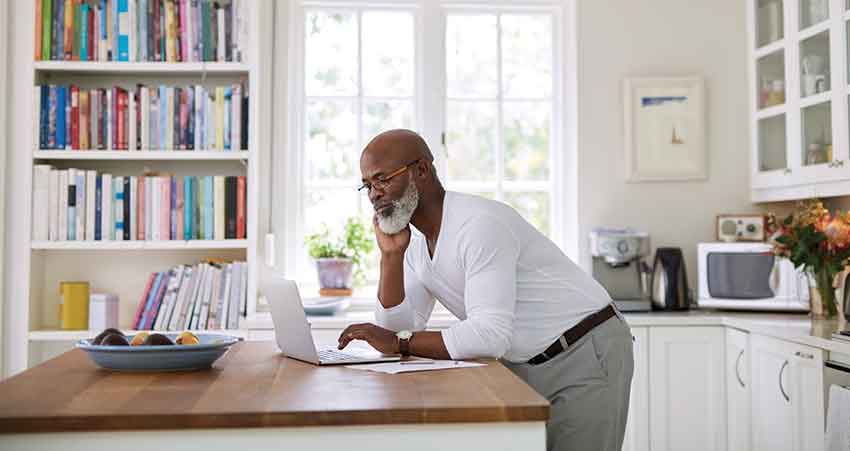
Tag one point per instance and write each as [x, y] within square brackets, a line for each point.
[817, 242]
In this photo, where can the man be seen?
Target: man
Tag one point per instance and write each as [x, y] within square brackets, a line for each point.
[519, 298]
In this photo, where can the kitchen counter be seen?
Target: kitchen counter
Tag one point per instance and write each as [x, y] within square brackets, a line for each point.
[793, 327]
[253, 386]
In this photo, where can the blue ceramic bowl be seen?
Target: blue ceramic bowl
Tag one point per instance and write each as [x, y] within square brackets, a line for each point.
[160, 358]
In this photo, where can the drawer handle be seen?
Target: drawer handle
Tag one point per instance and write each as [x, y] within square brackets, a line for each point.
[782, 387]
[737, 367]
[804, 355]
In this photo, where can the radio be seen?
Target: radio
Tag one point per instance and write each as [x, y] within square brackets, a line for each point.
[732, 228]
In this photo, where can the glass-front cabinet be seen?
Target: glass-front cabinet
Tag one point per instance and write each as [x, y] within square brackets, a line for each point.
[800, 104]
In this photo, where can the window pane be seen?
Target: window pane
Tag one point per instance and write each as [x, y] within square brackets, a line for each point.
[526, 55]
[471, 56]
[387, 54]
[526, 140]
[533, 206]
[379, 116]
[471, 140]
[331, 53]
[330, 207]
[331, 142]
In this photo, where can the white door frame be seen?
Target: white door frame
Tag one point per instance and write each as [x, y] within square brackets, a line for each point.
[4, 80]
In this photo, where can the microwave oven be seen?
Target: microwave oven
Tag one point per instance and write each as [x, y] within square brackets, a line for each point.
[747, 276]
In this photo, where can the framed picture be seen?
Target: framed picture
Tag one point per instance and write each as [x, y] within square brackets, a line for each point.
[664, 129]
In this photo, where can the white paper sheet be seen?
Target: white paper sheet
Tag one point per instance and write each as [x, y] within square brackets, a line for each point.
[410, 366]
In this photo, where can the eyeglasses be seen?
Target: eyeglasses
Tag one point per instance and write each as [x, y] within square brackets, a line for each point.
[382, 182]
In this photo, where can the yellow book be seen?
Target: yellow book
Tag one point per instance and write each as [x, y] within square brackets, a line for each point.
[84, 119]
[74, 305]
[68, 38]
[219, 118]
[170, 33]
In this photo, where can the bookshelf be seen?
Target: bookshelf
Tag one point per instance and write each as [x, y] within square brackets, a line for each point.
[122, 267]
[174, 155]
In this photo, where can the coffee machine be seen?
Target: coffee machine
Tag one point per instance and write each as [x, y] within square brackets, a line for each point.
[618, 264]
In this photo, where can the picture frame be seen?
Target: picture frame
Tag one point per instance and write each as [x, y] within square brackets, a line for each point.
[664, 129]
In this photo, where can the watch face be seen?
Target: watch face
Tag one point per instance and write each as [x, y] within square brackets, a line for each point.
[405, 334]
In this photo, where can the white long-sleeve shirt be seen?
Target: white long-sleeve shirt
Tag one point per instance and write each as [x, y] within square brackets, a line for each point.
[512, 288]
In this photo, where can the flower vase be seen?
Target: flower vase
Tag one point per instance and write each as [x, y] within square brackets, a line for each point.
[822, 295]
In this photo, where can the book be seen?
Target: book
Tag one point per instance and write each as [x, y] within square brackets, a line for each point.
[230, 193]
[107, 223]
[141, 199]
[118, 208]
[62, 219]
[141, 324]
[218, 207]
[40, 199]
[72, 204]
[90, 200]
[53, 205]
[240, 207]
[144, 300]
[80, 216]
[126, 201]
[98, 208]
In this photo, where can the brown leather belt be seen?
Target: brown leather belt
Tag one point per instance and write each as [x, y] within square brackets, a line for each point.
[574, 334]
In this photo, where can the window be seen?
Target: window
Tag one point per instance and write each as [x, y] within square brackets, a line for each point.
[479, 84]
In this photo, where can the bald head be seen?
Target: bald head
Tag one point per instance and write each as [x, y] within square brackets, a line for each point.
[398, 145]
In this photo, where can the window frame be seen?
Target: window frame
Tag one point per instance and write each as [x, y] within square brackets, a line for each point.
[430, 112]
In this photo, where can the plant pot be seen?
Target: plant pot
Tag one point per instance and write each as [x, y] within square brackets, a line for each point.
[822, 295]
[334, 273]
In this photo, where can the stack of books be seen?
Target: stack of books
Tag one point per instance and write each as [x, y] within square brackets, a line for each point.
[84, 205]
[141, 30]
[203, 296]
[142, 118]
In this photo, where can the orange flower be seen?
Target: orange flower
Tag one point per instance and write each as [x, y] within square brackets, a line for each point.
[837, 231]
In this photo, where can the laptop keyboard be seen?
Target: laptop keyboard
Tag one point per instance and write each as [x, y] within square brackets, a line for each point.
[329, 356]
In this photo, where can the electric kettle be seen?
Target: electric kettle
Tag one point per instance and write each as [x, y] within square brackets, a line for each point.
[669, 280]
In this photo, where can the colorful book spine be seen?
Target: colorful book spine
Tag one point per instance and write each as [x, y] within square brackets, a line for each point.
[240, 207]
[98, 208]
[143, 301]
[209, 225]
[46, 28]
[188, 208]
[84, 31]
[172, 211]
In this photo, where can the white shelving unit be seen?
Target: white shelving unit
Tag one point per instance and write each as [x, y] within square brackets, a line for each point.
[141, 68]
[799, 88]
[171, 245]
[174, 155]
[122, 267]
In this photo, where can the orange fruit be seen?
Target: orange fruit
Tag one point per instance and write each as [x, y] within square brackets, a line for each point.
[139, 338]
[187, 338]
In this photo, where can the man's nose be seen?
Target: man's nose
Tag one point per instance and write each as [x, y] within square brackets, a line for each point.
[375, 194]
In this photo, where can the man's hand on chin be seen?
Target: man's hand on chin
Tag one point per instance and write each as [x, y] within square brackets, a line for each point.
[384, 340]
[394, 244]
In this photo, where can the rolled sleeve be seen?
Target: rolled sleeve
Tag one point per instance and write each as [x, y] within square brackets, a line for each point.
[413, 311]
[489, 258]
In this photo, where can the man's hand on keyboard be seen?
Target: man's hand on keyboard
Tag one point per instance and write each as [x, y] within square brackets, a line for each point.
[384, 340]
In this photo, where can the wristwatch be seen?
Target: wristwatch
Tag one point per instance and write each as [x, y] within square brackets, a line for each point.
[404, 342]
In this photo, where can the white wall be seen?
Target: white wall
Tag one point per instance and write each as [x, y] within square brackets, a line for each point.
[622, 38]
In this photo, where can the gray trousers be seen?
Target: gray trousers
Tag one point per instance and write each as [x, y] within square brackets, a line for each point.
[588, 388]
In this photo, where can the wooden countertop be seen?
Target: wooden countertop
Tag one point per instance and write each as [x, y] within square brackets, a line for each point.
[254, 386]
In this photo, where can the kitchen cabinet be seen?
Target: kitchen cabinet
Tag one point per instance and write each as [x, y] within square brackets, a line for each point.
[637, 427]
[738, 385]
[687, 398]
[787, 396]
[799, 87]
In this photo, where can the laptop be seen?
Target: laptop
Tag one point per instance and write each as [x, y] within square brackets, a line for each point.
[292, 331]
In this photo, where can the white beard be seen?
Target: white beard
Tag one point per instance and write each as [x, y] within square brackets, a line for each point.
[402, 211]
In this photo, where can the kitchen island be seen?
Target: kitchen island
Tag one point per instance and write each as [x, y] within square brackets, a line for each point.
[254, 398]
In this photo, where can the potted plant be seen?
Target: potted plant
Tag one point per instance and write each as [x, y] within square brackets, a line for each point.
[340, 256]
[817, 242]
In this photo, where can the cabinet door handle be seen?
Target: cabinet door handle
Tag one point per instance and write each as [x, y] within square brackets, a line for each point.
[804, 355]
[737, 365]
[782, 387]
